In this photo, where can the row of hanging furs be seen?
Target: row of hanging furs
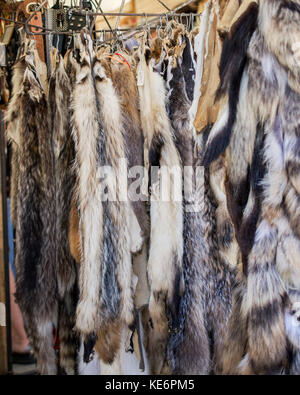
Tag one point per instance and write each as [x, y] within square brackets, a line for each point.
[216, 290]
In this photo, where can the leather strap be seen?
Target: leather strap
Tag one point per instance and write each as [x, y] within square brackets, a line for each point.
[36, 20]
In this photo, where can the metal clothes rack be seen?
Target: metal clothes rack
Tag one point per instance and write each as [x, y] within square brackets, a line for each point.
[170, 14]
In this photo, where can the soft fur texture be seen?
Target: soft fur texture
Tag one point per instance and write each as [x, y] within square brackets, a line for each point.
[106, 272]
[35, 246]
[188, 345]
[125, 84]
[232, 66]
[63, 149]
[166, 239]
[12, 118]
[264, 190]
[197, 331]
[42, 182]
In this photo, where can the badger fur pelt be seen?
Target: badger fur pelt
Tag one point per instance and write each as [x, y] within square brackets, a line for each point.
[166, 217]
[63, 150]
[35, 245]
[106, 299]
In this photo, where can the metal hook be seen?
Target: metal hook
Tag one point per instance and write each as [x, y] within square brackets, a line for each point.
[160, 36]
[181, 19]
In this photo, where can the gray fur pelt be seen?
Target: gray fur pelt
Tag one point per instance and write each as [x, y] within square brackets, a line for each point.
[35, 244]
[188, 344]
[63, 150]
[195, 342]
[166, 217]
[12, 118]
[106, 272]
[272, 98]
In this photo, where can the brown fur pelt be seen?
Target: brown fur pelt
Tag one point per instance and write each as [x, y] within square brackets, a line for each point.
[4, 91]
[35, 240]
[166, 217]
[74, 236]
[106, 271]
[232, 66]
[12, 118]
[63, 150]
[125, 84]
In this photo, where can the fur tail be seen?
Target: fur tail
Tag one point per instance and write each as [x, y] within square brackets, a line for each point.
[232, 66]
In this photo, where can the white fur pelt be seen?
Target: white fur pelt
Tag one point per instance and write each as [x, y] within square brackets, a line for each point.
[166, 235]
[106, 270]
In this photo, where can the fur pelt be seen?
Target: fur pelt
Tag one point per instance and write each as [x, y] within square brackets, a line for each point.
[12, 119]
[272, 249]
[281, 19]
[233, 61]
[74, 236]
[125, 84]
[4, 91]
[63, 150]
[35, 244]
[166, 217]
[106, 271]
[188, 349]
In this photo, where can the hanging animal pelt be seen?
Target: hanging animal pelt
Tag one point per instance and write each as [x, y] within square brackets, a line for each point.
[106, 272]
[12, 118]
[271, 295]
[4, 90]
[188, 349]
[281, 19]
[35, 240]
[125, 84]
[233, 61]
[166, 217]
[63, 150]
[245, 172]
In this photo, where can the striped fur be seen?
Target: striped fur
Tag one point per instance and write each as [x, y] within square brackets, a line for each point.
[271, 265]
[105, 291]
[35, 247]
[63, 150]
[166, 240]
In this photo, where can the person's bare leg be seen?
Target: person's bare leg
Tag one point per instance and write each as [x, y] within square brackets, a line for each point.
[19, 338]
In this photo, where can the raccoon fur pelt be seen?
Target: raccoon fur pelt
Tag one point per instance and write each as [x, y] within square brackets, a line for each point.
[35, 240]
[272, 265]
[188, 347]
[166, 217]
[106, 272]
[12, 119]
[63, 149]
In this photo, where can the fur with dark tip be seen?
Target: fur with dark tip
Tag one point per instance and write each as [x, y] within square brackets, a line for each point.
[232, 66]
[106, 299]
